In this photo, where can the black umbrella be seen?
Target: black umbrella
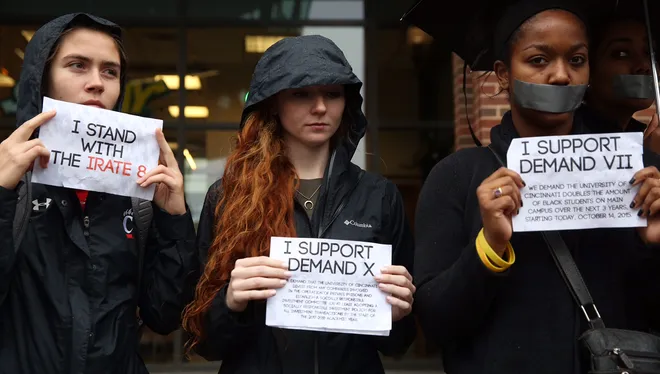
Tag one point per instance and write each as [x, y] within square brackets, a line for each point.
[462, 24]
[469, 25]
[654, 67]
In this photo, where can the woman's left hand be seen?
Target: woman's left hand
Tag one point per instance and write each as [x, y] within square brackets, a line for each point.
[169, 194]
[648, 202]
[397, 282]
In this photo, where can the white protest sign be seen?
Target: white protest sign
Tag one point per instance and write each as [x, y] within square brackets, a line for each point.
[577, 181]
[99, 150]
[332, 287]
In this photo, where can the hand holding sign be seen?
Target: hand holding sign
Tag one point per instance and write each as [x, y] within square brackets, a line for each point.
[255, 278]
[499, 200]
[17, 152]
[397, 281]
[647, 201]
[169, 194]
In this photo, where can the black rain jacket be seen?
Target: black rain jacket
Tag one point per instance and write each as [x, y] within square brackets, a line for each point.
[350, 207]
[68, 295]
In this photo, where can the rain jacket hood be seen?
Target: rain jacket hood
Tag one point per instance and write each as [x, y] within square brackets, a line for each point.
[30, 86]
[310, 60]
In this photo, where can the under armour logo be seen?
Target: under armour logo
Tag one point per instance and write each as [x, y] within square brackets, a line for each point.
[39, 207]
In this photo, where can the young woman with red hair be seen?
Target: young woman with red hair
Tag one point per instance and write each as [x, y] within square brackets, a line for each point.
[291, 175]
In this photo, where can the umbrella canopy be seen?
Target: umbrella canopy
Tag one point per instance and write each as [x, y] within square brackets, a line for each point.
[471, 27]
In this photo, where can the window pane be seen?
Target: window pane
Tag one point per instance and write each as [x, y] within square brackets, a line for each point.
[208, 151]
[109, 9]
[220, 76]
[13, 40]
[278, 10]
[153, 56]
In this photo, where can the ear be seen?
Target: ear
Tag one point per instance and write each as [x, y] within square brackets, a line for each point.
[502, 73]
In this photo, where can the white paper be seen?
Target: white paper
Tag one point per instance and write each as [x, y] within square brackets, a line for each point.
[332, 287]
[577, 181]
[99, 150]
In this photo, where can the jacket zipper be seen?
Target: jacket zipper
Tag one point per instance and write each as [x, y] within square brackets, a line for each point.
[339, 209]
[317, 370]
[623, 358]
[316, 343]
[322, 230]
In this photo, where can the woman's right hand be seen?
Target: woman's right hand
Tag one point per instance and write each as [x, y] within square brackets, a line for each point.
[255, 278]
[18, 152]
[499, 200]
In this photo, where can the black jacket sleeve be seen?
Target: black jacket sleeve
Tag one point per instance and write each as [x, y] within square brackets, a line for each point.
[395, 222]
[225, 331]
[454, 288]
[8, 200]
[642, 280]
[170, 263]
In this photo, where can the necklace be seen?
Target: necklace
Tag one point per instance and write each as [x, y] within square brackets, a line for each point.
[308, 200]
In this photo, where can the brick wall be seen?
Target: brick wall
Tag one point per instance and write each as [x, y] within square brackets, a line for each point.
[484, 106]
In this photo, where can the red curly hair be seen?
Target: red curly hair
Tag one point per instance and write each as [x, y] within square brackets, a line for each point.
[257, 202]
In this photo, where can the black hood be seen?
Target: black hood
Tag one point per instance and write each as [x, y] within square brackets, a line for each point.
[30, 97]
[303, 61]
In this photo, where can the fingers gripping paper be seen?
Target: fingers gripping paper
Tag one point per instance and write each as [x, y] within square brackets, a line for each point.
[577, 181]
[99, 150]
[332, 288]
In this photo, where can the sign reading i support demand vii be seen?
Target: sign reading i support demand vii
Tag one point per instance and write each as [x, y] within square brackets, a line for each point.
[577, 181]
[332, 287]
[100, 150]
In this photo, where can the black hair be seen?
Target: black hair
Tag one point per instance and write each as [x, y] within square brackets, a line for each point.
[518, 33]
[515, 37]
[512, 23]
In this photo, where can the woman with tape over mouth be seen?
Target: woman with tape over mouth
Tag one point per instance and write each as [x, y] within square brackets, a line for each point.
[493, 299]
[291, 175]
[621, 82]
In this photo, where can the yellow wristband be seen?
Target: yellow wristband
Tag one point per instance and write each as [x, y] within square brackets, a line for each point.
[493, 256]
[490, 258]
[484, 259]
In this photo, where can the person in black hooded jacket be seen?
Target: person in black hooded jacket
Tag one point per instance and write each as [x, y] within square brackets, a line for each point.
[494, 299]
[291, 175]
[69, 293]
